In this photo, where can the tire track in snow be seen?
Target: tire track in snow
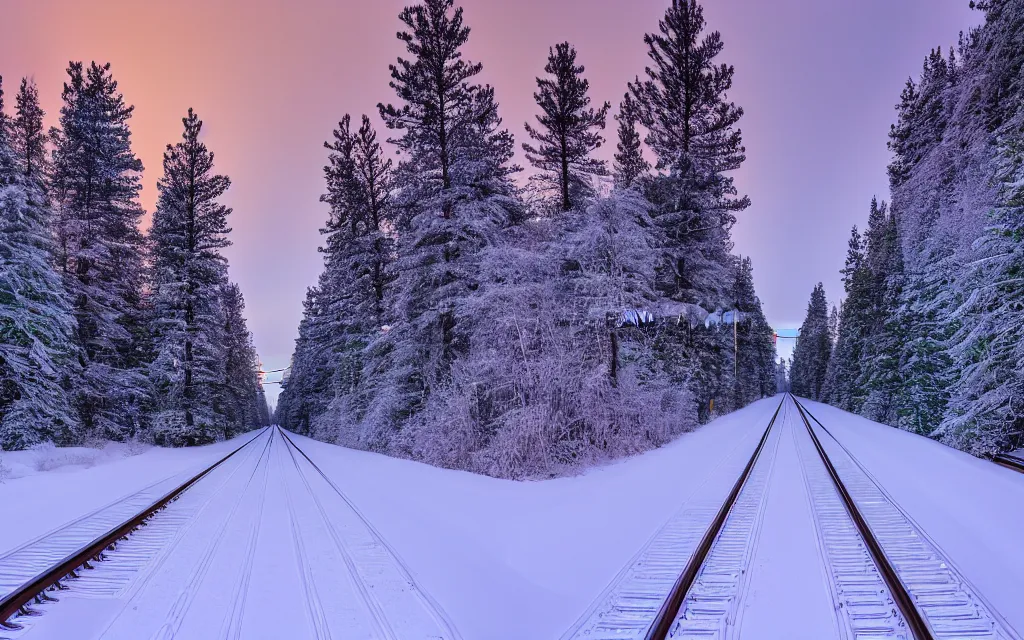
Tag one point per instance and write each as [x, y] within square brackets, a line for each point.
[134, 596]
[232, 625]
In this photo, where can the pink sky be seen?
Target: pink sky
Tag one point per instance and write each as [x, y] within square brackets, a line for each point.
[818, 80]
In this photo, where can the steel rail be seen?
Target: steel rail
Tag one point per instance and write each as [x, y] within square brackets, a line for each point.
[662, 624]
[17, 602]
[1010, 462]
[904, 601]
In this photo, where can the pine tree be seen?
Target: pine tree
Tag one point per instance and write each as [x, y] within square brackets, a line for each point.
[263, 409]
[781, 377]
[813, 349]
[95, 188]
[303, 394]
[691, 128]
[880, 377]
[239, 390]
[569, 131]
[189, 231]
[28, 135]
[38, 359]
[630, 164]
[754, 346]
[347, 308]
[455, 194]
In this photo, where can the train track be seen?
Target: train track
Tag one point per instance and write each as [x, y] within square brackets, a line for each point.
[935, 600]
[206, 563]
[888, 579]
[669, 611]
[79, 544]
[1010, 461]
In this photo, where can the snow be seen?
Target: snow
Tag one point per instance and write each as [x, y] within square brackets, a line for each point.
[261, 549]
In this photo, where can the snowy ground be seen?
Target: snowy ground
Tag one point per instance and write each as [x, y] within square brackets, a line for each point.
[267, 548]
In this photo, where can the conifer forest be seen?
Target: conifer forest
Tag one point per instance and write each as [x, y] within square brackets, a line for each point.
[929, 336]
[518, 321]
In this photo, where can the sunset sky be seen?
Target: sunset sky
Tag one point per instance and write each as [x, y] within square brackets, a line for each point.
[818, 80]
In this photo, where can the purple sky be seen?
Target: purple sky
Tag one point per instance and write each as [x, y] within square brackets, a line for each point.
[818, 80]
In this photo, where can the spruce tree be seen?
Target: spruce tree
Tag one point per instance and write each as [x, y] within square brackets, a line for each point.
[844, 368]
[239, 392]
[27, 133]
[692, 129]
[754, 346]
[346, 309]
[569, 130]
[630, 164]
[188, 234]
[455, 194]
[95, 188]
[38, 359]
[813, 349]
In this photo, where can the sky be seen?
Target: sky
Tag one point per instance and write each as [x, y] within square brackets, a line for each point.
[818, 80]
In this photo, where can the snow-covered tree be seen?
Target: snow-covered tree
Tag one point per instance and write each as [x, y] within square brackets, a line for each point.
[781, 376]
[556, 378]
[95, 188]
[239, 390]
[38, 358]
[630, 164]
[346, 310]
[754, 346]
[454, 193]
[813, 349]
[28, 136]
[569, 131]
[692, 129]
[189, 232]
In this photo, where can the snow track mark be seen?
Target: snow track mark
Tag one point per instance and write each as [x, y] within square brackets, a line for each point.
[398, 606]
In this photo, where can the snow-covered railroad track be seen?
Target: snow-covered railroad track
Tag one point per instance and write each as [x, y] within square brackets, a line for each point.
[934, 599]
[1013, 461]
[29, 572]
[383, 599]
[645, 600]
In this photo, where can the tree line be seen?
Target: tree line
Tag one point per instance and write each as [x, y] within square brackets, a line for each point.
[471, 321]
[107, 332]
[930, 336]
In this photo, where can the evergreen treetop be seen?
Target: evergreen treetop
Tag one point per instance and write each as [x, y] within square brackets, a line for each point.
[569, 130]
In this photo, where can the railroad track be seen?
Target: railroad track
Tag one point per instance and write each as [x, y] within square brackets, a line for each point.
[31, 573]
[934, 599]
[221, 554]
[656, 580]
[888, 579]
[1010, 461]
